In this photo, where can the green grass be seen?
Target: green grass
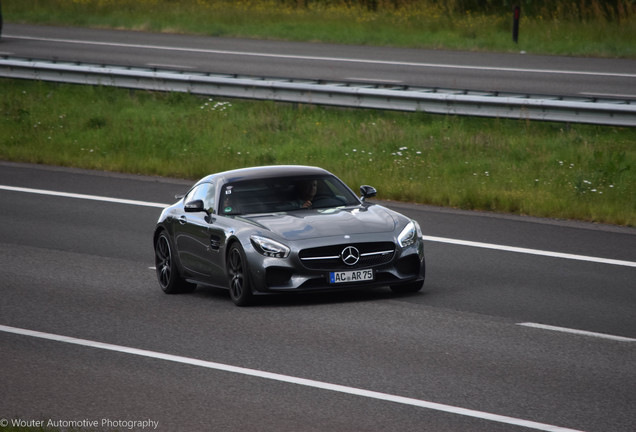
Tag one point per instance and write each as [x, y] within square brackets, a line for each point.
[584, 28]
[533, 168]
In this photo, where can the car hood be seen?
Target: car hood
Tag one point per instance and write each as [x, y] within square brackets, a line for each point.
[307, 224]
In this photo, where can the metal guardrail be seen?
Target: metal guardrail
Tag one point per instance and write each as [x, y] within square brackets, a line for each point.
[402, 98]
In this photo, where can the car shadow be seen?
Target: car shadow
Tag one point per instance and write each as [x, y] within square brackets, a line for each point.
[308, 298]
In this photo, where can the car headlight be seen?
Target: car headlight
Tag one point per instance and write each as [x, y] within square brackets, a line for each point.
[269, 247]
[409, 234]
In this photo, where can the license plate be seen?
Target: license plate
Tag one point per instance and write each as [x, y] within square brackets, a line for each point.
[350, 276]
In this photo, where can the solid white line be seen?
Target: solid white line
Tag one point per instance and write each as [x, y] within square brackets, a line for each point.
[159, 65]
[429, 238]
[578, 332]
[375, 80]
[625, 96]
[82, 196]
[289, 379]
[531, 251]
[331, 59]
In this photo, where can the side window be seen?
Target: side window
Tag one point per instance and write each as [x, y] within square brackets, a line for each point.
[205, 192]
[210, 198]
[194, 194]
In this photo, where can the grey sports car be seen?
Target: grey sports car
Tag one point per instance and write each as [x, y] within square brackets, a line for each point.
[277, 229]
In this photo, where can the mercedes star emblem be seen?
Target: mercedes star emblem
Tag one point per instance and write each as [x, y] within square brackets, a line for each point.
[350, 255]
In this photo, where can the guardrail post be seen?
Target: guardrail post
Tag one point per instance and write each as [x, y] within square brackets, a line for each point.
[515, 24]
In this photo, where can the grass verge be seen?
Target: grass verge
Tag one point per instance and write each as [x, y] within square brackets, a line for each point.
[532, 168]
[585, 28]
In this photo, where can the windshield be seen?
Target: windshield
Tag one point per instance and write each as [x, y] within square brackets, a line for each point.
[284, 194]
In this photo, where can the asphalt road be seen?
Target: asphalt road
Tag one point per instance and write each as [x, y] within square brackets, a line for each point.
[113, 348]
[517, 73]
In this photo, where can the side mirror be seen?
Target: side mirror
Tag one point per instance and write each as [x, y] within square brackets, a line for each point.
[367, 192]
[194, 206]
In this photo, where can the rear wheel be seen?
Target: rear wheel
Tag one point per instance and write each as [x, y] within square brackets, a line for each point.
[168, 275]
[238, 276]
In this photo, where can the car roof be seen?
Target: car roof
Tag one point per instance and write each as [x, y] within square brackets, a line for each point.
[263, 172]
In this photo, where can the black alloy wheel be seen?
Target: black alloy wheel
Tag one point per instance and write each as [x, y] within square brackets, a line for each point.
[238, 277]
[411, 287]
[167, 272]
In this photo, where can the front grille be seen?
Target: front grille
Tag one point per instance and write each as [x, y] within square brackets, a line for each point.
[328, 257]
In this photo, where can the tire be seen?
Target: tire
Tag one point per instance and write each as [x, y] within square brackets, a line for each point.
[168, 275]
[412, 287]
[238, 276]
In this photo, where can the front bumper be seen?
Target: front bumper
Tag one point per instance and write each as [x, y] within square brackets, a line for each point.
[293, 274]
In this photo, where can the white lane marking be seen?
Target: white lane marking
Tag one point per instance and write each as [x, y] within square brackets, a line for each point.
[289, 379]
[531, 251]
[578, 332]
[172, 66]
[82, 196]
[429, 238]
[375, 80]
[331, 59]
[624, 96]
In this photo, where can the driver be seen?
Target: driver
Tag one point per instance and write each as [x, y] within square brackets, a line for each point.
[306, 193]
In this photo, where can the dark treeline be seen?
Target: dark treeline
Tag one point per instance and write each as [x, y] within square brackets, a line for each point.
[573, 9]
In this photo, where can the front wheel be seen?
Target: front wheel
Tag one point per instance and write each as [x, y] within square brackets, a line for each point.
[238, 276]
[412, 287]
[167, 272]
